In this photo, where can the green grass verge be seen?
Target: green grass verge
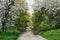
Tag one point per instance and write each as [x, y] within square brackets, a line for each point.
[10, 34]
[51, 34]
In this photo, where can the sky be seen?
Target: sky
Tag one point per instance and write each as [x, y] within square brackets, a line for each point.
[30, 2]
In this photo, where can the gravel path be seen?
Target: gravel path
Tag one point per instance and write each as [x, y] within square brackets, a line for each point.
[30, 36]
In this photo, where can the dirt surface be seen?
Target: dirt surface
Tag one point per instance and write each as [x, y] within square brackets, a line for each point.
[30, 36]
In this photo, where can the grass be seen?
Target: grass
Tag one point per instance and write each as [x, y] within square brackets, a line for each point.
[10, 34]
[51, 34]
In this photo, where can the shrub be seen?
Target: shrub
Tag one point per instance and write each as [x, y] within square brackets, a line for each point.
[44, 26]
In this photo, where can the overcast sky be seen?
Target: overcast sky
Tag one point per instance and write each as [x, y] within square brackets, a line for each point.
[30, 2]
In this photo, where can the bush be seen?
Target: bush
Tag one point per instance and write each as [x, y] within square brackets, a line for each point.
[44, 26]
[57, 25]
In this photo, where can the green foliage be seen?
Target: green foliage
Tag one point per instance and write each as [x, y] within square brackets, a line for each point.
[51, 34]
[21, 2]
[39, 21]
[23, 21]
[44, 26]
[43, 20]
[10, 34]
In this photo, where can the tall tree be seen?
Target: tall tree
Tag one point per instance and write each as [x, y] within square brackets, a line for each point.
[5, 7]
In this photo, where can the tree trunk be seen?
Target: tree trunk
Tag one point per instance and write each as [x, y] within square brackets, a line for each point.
[3, 24]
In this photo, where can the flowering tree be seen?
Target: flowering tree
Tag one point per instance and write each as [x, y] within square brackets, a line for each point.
[9, 11]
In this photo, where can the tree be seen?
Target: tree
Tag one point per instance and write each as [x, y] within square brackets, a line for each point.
[23, 21]
[39, 21]
[6, 11]
[6, 14]
[51, 7]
